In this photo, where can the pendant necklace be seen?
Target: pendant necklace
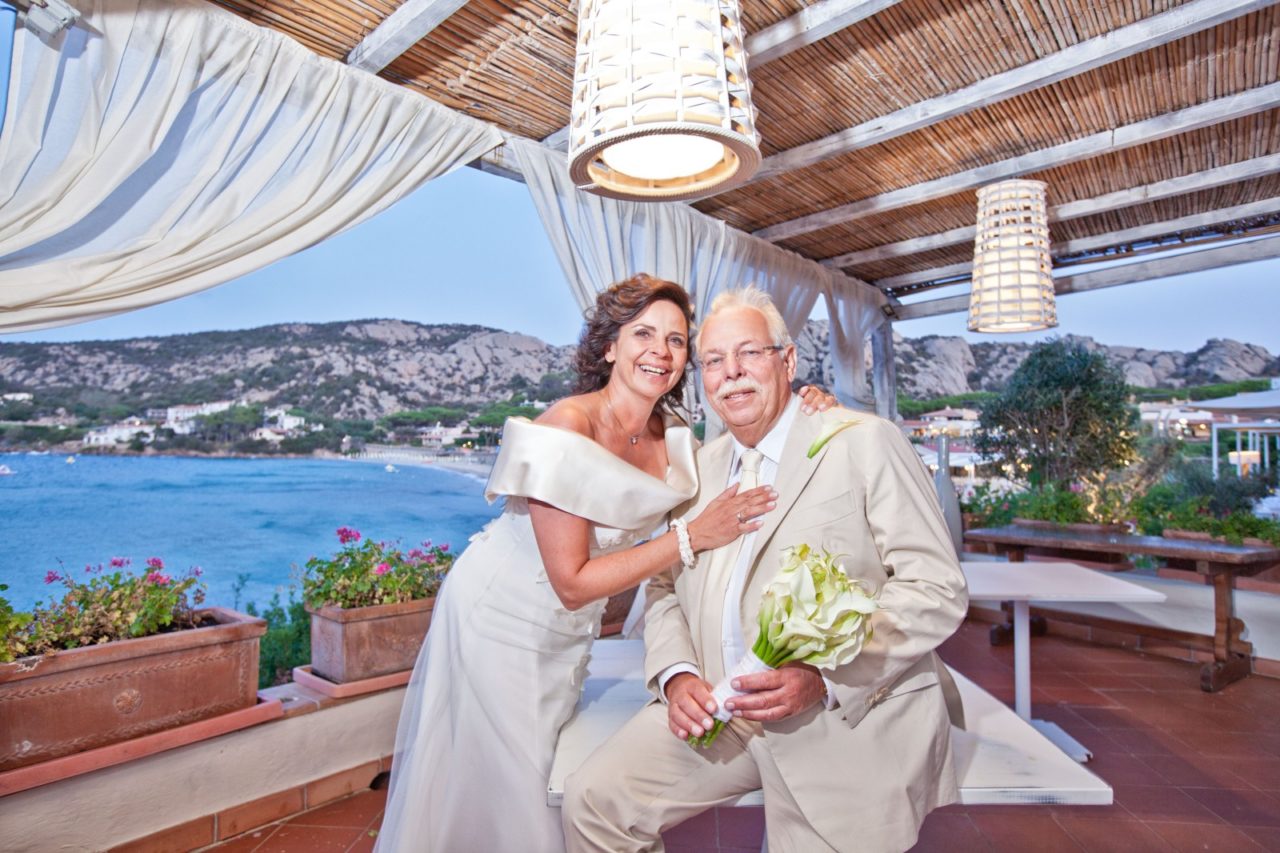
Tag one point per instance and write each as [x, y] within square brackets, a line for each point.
[634, 439]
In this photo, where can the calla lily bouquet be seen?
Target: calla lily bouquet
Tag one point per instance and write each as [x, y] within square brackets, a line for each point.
[811, 612]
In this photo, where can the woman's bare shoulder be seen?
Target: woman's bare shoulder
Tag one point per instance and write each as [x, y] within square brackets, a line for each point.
[571, 413]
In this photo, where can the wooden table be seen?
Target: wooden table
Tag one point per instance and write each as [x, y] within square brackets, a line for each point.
[999, 758]
[1232, 655]
[1023, 583]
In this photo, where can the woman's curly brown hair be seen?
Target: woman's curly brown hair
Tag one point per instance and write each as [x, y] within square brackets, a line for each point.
[615, 307]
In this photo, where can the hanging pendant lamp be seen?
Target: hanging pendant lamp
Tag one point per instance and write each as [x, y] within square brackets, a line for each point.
[1012, 284]
[661, 102]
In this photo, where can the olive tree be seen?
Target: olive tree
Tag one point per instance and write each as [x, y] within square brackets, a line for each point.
[1063, 417]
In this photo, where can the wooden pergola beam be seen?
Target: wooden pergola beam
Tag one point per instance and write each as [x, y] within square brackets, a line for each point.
[1109, 240]
[401, 30]
[809, 25]
[1087, 55]
[1160, 127]
[1182, 185]
[1170, 266]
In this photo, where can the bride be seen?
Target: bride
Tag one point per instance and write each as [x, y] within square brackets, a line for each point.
[502, 666]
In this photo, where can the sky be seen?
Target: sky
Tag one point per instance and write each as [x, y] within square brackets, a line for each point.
[469, 248]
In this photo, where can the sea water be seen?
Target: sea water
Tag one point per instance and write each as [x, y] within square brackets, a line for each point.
[261, 518]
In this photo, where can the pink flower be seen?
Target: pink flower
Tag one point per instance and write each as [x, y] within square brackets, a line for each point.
[346, 534]
[52, 577]
[381, 569]
[431, 559]
[197, 571]
[426, 543]
[416, 554]
[158, 578]
[445, 547]
[119, 562]
[155, 563]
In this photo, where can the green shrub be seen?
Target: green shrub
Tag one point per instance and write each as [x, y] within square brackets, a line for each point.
[1175, 506]
[286, 644]
[1050, 503]
[990, 507]
[12, 623]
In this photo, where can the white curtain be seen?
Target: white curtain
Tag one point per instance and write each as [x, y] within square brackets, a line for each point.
[156, 149]
[855, 313]
[600, 241]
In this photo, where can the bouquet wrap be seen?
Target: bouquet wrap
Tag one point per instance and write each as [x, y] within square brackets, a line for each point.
[748, 665]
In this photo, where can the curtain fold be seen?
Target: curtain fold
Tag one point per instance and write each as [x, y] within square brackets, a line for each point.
[157, 149]
[855, 313]
[599, 241]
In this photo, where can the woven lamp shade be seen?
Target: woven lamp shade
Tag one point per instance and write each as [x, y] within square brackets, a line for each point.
[1012, 283]
[661, 103]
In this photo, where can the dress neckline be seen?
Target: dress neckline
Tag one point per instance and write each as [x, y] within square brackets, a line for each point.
[669, 422]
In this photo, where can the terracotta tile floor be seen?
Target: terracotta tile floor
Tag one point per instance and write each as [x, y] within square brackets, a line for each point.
[1192, 771]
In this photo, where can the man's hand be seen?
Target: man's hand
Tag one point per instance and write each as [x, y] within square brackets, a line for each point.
[689, 705]
[776, 695]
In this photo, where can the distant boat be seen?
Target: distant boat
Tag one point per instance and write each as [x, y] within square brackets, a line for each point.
[71, 460]
[37, 453]
[5, 471]
[390, 469]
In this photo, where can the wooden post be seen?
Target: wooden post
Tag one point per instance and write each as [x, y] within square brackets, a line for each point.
[884, 376]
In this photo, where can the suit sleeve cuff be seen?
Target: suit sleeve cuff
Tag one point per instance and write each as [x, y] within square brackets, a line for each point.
[670, 673]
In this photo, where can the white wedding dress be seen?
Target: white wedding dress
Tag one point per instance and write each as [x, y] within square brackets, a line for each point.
[502, 667]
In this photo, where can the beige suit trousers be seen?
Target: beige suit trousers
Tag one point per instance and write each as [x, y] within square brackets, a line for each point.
[618, 804]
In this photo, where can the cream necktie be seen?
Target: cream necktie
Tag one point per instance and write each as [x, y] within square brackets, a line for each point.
[750, 466]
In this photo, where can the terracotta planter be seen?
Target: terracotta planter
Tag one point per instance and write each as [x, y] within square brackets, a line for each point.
[97, 695]
[1203, 536]
[365, 642]
[1079, 527]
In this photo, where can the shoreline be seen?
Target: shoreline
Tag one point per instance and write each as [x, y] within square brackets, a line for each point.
[475, 470]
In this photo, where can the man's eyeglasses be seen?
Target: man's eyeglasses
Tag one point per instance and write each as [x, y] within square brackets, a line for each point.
[747, 355]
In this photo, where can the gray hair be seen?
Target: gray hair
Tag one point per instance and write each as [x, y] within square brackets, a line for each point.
[749, 297]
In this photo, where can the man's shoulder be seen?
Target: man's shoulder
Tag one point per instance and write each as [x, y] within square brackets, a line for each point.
[864, 430]
[714, 446]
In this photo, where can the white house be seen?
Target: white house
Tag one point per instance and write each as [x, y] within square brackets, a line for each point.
[119, 433]
[285, 421]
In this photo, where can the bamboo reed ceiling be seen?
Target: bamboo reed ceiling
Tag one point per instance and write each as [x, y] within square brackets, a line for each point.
[510, 62]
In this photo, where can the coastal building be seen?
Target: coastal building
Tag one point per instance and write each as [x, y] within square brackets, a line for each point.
[280, 417]
[119, 433]
[439, 436]
[274, 435]
[181, 419]
[1180, 420]
[17, 397]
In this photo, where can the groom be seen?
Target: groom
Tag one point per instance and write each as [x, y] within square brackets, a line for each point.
[849, 759]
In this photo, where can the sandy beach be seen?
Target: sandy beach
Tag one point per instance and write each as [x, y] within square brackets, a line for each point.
[474, 466]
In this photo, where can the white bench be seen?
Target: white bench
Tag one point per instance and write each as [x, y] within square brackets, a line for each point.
[1000, 758]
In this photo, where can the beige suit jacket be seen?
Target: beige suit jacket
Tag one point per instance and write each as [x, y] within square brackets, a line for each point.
[867, 772]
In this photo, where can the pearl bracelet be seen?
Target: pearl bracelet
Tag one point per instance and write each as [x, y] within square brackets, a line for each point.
[681, 529]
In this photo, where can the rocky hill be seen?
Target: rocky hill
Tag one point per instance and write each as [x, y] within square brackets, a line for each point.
[359, 369]
[368, 368]
[936, 366]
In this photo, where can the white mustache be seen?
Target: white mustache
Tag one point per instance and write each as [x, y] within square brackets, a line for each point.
[736, 386]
